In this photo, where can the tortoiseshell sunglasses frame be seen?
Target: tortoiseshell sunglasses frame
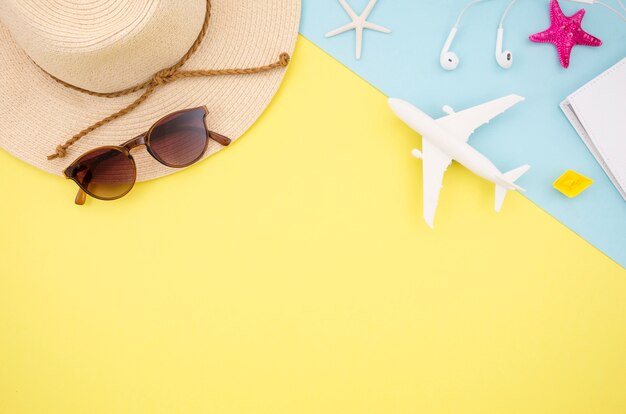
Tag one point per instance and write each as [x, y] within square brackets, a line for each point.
[139, 140]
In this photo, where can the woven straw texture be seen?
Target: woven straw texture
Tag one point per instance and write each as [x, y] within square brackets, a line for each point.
[37, 114]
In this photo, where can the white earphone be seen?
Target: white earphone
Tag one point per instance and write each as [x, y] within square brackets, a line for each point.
[448, 59]
[504, 58]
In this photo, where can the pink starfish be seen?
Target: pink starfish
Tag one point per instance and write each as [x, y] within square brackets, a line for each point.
[565, 33]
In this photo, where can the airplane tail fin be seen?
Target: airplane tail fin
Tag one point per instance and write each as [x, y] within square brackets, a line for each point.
[509, 184]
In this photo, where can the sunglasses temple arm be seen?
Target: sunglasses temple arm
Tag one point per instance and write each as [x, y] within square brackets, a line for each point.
[219, 138]
[81, 196]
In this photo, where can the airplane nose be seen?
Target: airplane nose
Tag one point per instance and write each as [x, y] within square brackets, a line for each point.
[396, 104]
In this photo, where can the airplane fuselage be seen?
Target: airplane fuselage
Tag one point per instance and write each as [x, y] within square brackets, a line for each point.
[453, 146]
[445, 140]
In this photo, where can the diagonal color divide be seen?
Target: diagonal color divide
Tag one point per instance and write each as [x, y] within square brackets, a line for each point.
[291, 274]
[406, 65]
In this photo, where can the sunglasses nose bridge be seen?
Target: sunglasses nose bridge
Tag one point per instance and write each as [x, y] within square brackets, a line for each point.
[139, 140]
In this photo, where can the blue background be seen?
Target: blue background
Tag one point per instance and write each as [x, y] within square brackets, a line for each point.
[405, 64]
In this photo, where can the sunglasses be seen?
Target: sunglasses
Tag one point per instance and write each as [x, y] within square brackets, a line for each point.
[177, 140]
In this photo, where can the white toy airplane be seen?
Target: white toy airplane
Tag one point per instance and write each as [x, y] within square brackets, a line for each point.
[445, 139]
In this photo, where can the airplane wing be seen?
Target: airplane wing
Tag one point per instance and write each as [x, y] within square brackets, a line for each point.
[435, 163]
[463, 124]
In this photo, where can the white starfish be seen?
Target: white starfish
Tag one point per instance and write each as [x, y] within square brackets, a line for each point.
[358, 23]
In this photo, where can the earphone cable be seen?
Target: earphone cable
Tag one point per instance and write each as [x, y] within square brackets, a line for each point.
[506, 12]
[613, 9]
[470, 4]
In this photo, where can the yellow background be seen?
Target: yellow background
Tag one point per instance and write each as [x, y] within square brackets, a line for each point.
[293, 273]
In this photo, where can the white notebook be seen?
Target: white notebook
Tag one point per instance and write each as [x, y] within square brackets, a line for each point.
[598, 113]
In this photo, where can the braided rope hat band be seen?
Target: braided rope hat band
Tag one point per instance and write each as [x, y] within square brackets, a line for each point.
[162, 77]
[236, 90]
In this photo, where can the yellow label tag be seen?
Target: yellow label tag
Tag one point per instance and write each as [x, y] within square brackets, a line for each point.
[572, 184]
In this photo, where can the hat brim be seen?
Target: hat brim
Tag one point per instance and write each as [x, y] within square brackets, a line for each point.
[37, 113]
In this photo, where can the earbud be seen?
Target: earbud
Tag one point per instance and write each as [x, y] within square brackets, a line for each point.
[449, 60]
[504, 59]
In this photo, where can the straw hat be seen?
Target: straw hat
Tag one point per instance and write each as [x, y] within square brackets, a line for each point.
[109, 45]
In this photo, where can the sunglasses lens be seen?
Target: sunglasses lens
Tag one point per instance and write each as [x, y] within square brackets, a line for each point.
[180, 139]
[107, 173]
